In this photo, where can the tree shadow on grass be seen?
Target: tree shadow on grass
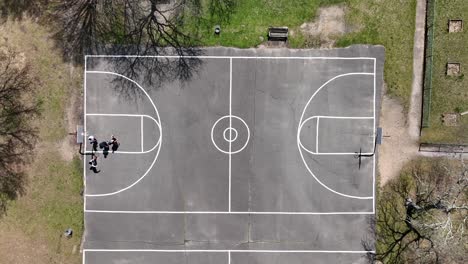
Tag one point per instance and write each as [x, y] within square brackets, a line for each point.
[17, 9]
[18, 107]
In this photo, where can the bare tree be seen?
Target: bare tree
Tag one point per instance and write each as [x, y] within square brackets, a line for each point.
[422, 215]
[18, 107]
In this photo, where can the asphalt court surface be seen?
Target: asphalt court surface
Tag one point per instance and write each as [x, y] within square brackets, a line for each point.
[252, 160]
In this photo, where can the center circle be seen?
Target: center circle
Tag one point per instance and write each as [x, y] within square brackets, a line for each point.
[223, 131]
[230, 134]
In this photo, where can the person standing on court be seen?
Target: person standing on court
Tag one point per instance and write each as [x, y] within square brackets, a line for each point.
[105, 147]
[115, 144]
[93, 141]
[93, 163]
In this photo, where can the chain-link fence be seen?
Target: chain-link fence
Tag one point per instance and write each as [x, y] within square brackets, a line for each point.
[428, 61]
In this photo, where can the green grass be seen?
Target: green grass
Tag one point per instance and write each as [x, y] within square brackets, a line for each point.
[246, 24]
[52, 204]
[389, 23]
[449, 94]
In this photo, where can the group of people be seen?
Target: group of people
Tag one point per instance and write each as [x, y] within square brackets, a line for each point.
[105, 146]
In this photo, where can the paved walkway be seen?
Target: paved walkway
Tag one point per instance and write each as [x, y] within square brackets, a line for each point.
[414, 114]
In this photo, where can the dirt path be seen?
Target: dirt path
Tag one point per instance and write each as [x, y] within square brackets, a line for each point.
[397, 147]
[401, 134]
[73, 117]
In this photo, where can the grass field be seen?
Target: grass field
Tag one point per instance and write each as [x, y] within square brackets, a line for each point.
[449, 94]
[245, 24]
[32, 227]
[391, 24]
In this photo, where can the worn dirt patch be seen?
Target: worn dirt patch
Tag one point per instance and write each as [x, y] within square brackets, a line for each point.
[453, 69]
[397, 146]
[73, 116]
[328, 26]
[455, 26]
[450, 119]
[26, 250]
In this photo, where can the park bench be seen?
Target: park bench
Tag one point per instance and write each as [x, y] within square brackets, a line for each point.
[278, 33]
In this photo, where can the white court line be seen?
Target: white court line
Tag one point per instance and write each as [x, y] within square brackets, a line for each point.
[227, 213]
[246, 142]
[301, 153]
[339, 117]
[160, 134]
[127, 115]
[316, 134]
[230, 130]
[229, 250]
[299, 145]
[231, 57]
[85, 141]
[131, 115]
[142, 136]
[316, 152]
[373, 157]
[229, 257]
[246, 251]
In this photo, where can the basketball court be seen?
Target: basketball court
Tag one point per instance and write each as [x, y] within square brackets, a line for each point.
[252, 160]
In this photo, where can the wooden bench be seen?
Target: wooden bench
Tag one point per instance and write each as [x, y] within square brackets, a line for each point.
[278, 33]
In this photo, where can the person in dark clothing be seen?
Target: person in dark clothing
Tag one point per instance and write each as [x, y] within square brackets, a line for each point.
[115, 144]
[93, 141]
[105, 148]
[93, 163]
